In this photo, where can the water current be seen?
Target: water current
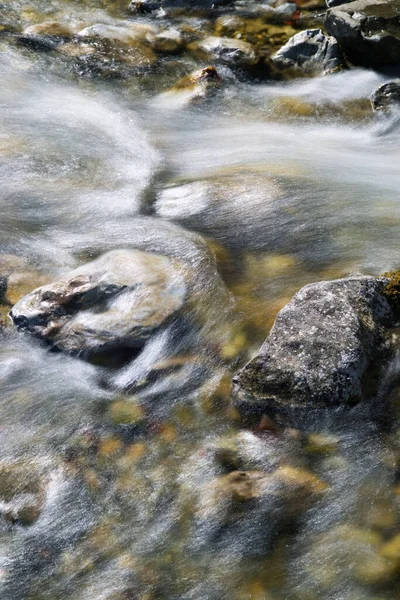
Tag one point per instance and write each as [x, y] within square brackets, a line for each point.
[268, 187]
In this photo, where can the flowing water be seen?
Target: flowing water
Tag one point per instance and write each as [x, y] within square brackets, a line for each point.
[266, 188]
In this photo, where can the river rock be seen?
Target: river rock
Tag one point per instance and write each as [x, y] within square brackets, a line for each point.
[146, 6]
[228, 51]
[368, 31]
[223, 206]
[309, 52]
[124, 34]
[45, 36]
[10, 265]
[195, 88]
[52, 28]
[113, 303]
[112, 50]
[331, 3]
[348, 548]
[22, 492]
[326, 348]
[3, 288]
[168, 41]
[387, 96]
[230, 508]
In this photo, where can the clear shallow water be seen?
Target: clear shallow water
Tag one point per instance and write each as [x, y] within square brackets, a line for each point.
[283, 193]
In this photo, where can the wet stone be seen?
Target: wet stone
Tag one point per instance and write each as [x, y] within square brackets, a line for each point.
[113, 303]
[326, 348]
[21, 492]
[125, 411]
[224, 204]
[194, 89]
[230, 52]
[231, 507]
[264, 36]
[319, 443]
[309, 52]
[353, 548]
[114, 51]
[332, 3]
[51, 28]
[386, 97]
[147, 6]
[169, 41]
[126, 34]
[368, 31]
[46, 36]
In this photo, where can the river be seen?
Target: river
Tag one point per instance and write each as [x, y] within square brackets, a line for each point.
[268, 187]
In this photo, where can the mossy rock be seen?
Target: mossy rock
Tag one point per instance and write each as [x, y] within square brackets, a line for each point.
[391, 291]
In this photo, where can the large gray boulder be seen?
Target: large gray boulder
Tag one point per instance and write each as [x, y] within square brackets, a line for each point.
[309, 52]
[367, 30]
[113, 303]
[326, 348]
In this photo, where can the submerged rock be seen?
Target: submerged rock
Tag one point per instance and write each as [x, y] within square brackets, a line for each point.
[231, 52]
[44, 37]
[387, 96]
[354, 550]
[3, 288]
[194, 89]
[327, 348]
[168, 41]
[146, 6]
[240, 207]
[224, 206]
[265, 37]
[112, 50]
[22, 492]
[230, 508]
[368, 31]
[124, 34]
[52, 28]
[309, 52]
[113, 303]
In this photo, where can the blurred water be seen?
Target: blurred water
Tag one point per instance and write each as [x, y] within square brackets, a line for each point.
[282, 198]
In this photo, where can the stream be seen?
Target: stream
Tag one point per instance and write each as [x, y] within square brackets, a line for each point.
[267, 187]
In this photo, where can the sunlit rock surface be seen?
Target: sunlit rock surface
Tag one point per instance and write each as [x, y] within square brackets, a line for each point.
[326, 348]
[117, 301]
[309, 52]
[232, 52]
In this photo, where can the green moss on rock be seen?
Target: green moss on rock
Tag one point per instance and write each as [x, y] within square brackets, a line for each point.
[392, 289]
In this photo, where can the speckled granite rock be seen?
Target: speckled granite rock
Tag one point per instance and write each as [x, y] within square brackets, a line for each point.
[326, 348]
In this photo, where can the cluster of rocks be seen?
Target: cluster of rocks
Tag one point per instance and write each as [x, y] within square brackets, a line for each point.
[328, 347]
[261, 40]
[256, 39]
